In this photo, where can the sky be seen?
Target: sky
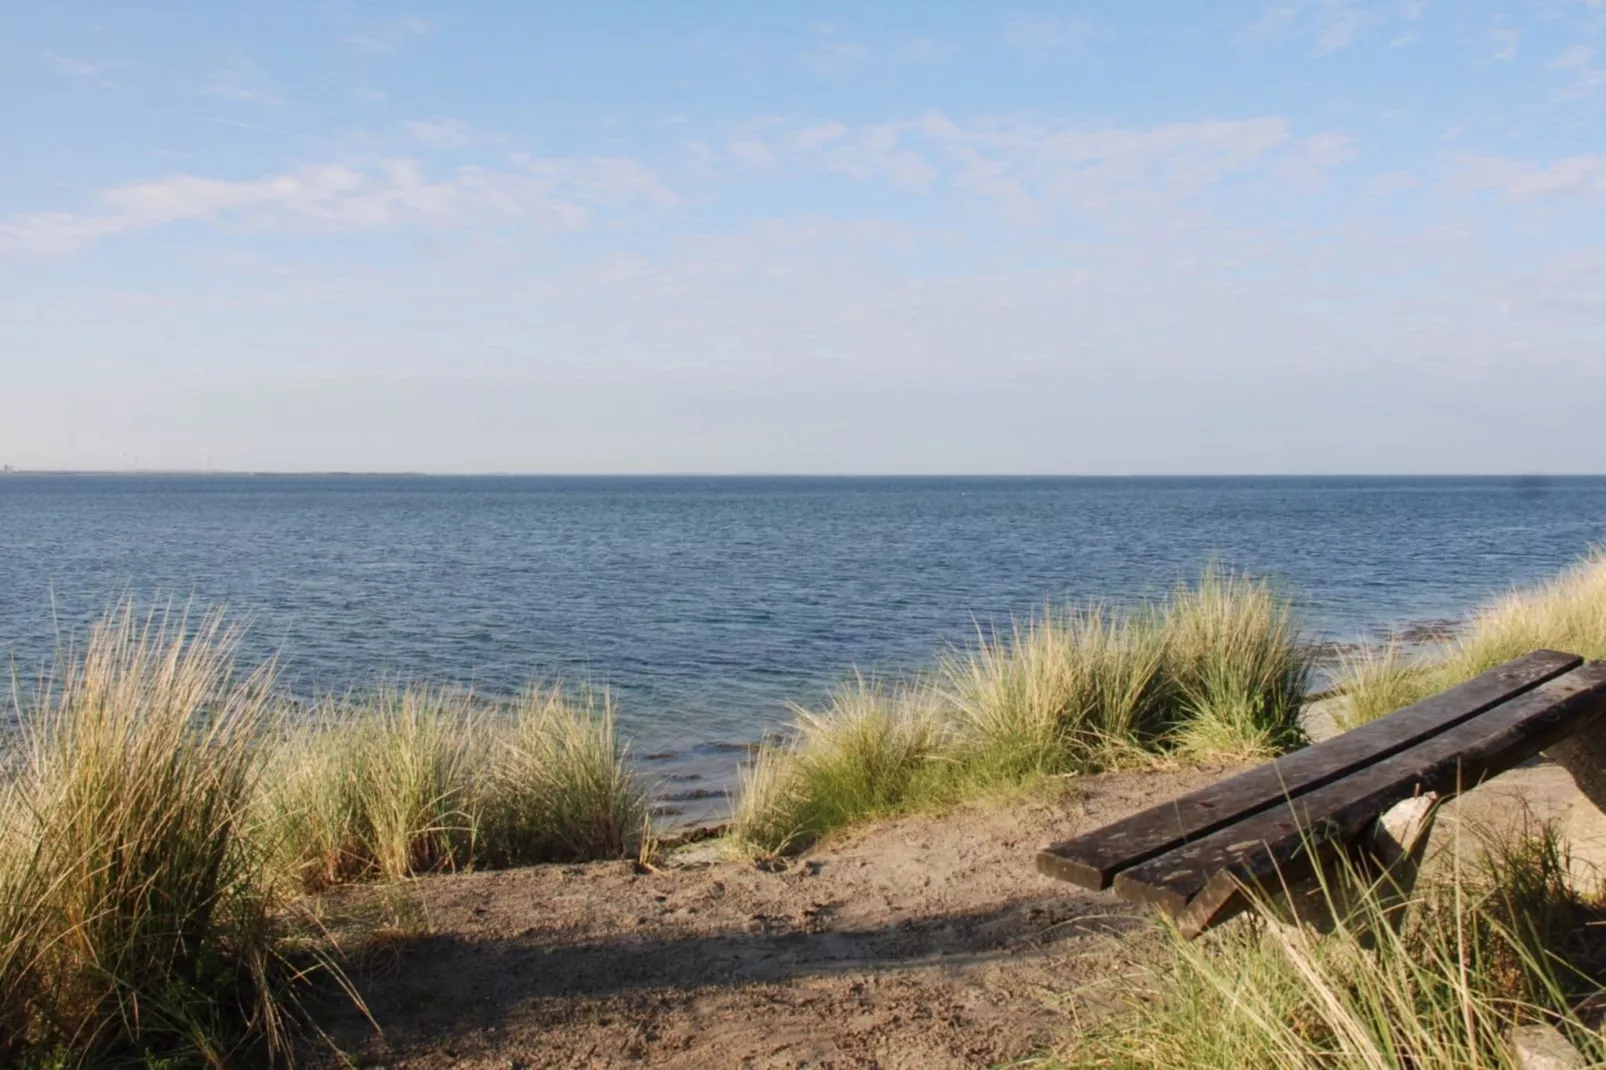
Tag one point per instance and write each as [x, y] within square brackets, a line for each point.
[1305, 236]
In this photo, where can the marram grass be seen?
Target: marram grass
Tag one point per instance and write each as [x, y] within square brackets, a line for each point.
[1433, 983]
[135, 915]
[870, 752]
[160, 811]
[1566, 612]
[1214, 671]
[419, 780]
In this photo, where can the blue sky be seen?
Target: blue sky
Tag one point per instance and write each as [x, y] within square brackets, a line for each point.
[1321, 236]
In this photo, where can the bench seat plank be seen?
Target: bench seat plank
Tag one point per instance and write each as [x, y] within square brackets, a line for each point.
[1200, 883]
[1093, 860]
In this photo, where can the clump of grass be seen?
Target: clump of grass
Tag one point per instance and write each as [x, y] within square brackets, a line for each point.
[560, 786]
[869, 753]
[1065, 692]
[1216, 670]
[135, 916]
[1566, 612]
[1236, 666]
[23, 931]
[1437, 983]
[381, 787]
[416, 781]
[1375, 682]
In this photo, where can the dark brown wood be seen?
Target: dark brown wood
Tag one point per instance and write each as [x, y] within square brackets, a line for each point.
[1093, 860]
[1202, 883]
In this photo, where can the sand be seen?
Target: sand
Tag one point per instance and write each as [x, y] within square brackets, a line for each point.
[925, 942]
[922, 942]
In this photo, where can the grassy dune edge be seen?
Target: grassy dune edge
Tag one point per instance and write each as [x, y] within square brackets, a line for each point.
[1214, 671]
[1566, 612]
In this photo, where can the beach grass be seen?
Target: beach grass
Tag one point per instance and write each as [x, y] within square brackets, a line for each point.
[380, 787]
[1435, 982]
[420, 780]
[1566, 612]
[161, 810]
[873, 750]
[135, 912]
[1214, 671]
[560, 786]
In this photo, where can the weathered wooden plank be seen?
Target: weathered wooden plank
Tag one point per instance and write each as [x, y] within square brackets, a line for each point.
[1094, 859]
[1201, 883]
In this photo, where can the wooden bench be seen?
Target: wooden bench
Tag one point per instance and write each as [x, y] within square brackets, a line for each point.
[1197, 856]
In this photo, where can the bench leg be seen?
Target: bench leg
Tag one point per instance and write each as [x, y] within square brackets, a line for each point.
[1390, 853]
[1584, 756]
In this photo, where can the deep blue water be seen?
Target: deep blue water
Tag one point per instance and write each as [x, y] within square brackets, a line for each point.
[706, 604]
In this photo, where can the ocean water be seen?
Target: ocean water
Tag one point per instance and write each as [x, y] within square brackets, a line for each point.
[707, 604]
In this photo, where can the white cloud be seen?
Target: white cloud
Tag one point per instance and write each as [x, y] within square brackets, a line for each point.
[1024, 166]
[441, 133]
[751, 151]
[923, 48]
[1506, 39]
[1340, 29]
[1524, 180]
[815, 138]
[242, 81]
[391, 36]
[561, 194]
[831, 54]
[1576, 63]
[82, 69]
[1334, 25]
[1047, 33]
[1307, 164]
[1392, 182]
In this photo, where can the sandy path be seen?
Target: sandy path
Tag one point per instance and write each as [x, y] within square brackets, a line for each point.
[924, 942]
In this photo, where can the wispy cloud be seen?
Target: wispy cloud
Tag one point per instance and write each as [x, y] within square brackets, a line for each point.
[1307, 165]
[391, 36]
[553, 194]
[830, 53]
[1390, 182]
[1027, 169]
[923, 48]
[1577, 65]
[83, 69]
[1046, 33]
[1506, 39]
[241, 81]
[1334, 25]
[441, 133]
[1526, 180]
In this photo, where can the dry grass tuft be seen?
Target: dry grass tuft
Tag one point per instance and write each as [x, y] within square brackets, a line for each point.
[1215, 671]
[869, 753]
[134, 911]
[1437, 984]
[560, 787]
[1566, 612]
[418, 781]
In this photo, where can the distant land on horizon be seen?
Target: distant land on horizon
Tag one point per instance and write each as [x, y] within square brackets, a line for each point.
[9, 470]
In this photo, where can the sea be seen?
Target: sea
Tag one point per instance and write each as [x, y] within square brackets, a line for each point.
[709, 606]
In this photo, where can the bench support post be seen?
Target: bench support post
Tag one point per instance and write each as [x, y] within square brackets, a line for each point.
[1583, 754]
[1390, 853]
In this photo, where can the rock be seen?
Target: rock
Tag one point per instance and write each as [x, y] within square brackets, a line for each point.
[1542, 1047]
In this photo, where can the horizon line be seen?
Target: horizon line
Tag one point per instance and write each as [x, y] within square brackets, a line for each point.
[9, 470]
